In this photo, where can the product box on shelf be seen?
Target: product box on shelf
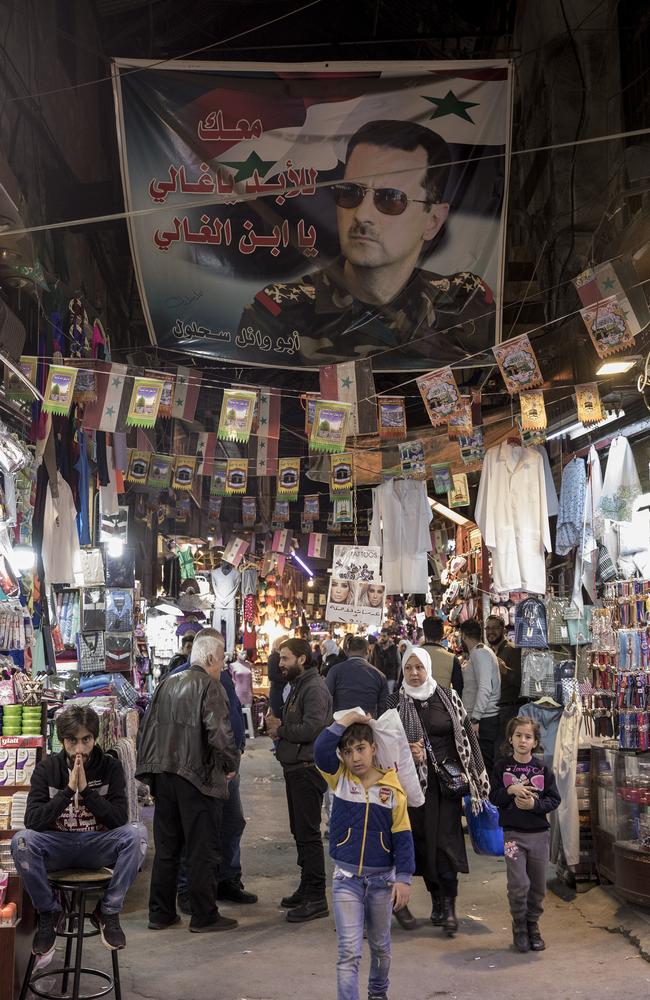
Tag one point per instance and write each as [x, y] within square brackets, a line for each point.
[25, 764]
[7, 767]
[21, 741]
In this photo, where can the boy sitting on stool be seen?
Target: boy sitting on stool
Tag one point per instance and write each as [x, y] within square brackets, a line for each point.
[77, 817]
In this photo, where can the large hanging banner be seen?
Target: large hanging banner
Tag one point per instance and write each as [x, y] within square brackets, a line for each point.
[269, 202]
[356, 593]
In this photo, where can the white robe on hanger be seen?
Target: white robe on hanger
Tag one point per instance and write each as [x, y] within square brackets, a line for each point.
[401, 515]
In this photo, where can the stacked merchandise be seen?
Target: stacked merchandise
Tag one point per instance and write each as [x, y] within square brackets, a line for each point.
[21, 720]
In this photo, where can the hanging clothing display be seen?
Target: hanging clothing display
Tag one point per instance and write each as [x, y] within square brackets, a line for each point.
[186, 563]
[592, 533]
[512, 513]
[225, 587]
[548, 718]
[565, 825]
[401, 515]
[621, 485]
[60, 551]
[249, 581]
[571, 511]
[551, 492]
[634, 539]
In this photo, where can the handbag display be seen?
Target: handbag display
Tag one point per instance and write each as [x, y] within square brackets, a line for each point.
[119, 649]
[91, 652]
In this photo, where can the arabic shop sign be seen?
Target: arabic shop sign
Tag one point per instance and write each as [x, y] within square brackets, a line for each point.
[268, 203]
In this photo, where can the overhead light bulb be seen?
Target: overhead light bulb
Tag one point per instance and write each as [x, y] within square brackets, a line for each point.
[310, 583]
[115, 547]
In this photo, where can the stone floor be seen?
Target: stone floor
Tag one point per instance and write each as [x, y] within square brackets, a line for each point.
[596, 946]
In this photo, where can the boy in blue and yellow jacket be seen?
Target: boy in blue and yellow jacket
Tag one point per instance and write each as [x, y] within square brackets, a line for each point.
[372, 848]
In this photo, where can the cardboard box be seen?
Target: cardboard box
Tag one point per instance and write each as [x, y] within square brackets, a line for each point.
[8, 768]
[25, 764]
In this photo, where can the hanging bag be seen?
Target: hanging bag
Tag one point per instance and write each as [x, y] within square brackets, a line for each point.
[484, 829]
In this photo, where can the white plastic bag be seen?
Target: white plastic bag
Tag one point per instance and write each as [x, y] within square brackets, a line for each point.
[393, 751]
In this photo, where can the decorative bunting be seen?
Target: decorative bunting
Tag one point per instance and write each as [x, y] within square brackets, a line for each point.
[317, 546]
[440, 394]
[352, 382]
[518, 364]
[310, 399]
[458, 496]
[186, 393]
[167, 394]
[268, 433]
[616, 308]
[14, 388]
[533, 411]
[85, 389]
[281, 541]
[218, 481]
[391, 417]
[182, 512]
[590, 409]
[205, 450]
[330, 427]
[138, 468]
[443, 479]
[109, 384]
[184, 470]
[145, 400]
[530, 438]
[341, 473]
[59, 389]
[235, 551]
[236, 415]
[311, 510]
[236, 476]
[411, 456]
[288, 478]
[248, 511]
[214, 508]
[343, 511]
[460, 422]
[160, 472]
[281, 511]
[472, 447]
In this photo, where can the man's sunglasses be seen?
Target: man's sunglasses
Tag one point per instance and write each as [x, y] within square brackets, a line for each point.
[388, 201]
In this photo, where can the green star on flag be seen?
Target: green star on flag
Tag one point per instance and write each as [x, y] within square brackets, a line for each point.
[117, 382]
[245, 170]
[263, 421]
[608, 283]
[451, 105]
[346, 383]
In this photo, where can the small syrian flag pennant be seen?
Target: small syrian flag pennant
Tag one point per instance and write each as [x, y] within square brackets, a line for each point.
[205, 453]
[102, 414]
[352, 382]
[317, 545]
[268, 433]
[186, 393]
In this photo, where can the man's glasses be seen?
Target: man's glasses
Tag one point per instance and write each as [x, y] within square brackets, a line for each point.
[388, 201]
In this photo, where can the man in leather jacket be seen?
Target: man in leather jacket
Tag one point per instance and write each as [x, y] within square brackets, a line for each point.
[306, 713]
[187, 753]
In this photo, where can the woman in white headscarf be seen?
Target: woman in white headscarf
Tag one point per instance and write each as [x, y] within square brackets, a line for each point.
[439, 733]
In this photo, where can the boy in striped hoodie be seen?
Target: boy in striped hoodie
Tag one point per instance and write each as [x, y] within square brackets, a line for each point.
[372, 848]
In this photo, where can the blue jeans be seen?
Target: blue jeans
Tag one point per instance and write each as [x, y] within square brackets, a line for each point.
[35, 854]
[233, 824]
[359, 899]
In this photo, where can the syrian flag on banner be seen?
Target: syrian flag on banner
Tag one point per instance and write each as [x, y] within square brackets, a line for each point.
[102, 414]
[317, 545]
[205, 453]
[186, 393]
[352, 382]
[268, 433]
[281, 541]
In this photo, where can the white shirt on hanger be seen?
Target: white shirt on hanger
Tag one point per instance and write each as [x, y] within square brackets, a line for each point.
[225, 587]
[61, 553]
[401, 515]
[512, 513]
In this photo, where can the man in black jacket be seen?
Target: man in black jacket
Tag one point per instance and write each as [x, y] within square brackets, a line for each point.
[187, 753]
[77, 817]
[307, 712]
[386, 658]
[355, 682]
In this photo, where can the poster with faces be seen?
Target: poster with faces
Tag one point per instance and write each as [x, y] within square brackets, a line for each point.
[356, 593]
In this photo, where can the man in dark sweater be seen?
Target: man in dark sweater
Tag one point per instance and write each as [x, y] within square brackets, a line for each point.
[386, 658]
[356, 683]
[510, 668]
[77, 817]
[307, 711]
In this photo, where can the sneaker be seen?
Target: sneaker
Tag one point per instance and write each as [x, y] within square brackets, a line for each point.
[220, 924]
[159, 925]
[108, 925]
[49, 925]
[234, 892]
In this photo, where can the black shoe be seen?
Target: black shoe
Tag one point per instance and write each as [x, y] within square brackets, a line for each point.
[108, 925]
[437, 917]
[183, 903]
[520, 936]
[378, 996]
[449, 920]
[49, 925]
[309, 910]
[536, 940]
[220, 924]
[158, 925]
[234, 892]
[295, 899]
[405, 918]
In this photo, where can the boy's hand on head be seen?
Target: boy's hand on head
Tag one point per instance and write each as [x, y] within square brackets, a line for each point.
[351, 717]
[401, 895]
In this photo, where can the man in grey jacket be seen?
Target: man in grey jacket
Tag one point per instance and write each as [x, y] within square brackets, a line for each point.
[481, 690]
[187, 753]
[308, 710]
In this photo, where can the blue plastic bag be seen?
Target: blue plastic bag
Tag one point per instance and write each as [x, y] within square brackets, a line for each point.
[484, 830]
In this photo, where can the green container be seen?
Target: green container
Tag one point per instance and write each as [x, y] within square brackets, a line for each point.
[12, 710]
[12, 731]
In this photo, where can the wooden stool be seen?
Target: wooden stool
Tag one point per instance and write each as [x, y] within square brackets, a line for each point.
[75, 884]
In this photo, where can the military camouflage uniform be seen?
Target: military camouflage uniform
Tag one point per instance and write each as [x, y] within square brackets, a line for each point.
[433, 321]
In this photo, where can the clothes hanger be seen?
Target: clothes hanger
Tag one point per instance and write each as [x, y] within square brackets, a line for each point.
[547, 700]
